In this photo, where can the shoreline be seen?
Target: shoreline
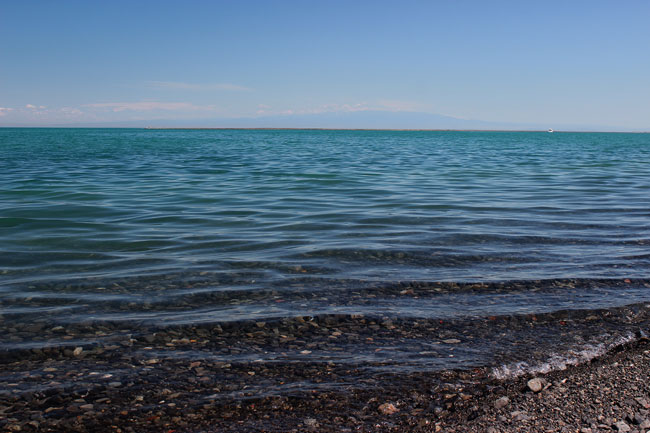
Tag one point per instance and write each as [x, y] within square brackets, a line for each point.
[607, 393]
[161, 383]
[594, 396]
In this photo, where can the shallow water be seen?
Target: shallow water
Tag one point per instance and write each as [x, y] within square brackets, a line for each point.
[165, 228]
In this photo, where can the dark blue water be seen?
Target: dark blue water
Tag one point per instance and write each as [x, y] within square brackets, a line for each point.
[207, 226]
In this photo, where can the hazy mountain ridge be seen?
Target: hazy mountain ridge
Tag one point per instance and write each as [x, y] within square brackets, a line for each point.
[366, 119]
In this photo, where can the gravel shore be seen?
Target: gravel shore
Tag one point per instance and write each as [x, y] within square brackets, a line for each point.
[609, 393]
[332, 373]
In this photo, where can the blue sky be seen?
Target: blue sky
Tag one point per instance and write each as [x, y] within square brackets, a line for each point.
[555, 63]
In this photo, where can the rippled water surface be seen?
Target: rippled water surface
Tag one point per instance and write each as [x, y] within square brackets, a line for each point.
[196, 226]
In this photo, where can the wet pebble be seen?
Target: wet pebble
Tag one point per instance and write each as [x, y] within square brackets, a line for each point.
[535, 384]
[501, 402]
[310, 422]
[388, 409]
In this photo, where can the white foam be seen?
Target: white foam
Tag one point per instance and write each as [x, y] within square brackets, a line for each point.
[558, 361]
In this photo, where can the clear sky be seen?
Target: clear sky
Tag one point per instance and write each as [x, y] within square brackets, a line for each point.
[550, 62]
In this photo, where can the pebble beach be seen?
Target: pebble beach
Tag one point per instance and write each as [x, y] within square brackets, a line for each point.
[145, 383]
[324, 217]
[609, 393]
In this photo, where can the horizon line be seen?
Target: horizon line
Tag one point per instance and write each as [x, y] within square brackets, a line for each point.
[225, 128]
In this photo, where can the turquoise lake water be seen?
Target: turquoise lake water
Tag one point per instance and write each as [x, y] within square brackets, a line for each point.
[191, 226]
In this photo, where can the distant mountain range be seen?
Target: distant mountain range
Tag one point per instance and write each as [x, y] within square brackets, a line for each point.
[347, 120]
[368, 120]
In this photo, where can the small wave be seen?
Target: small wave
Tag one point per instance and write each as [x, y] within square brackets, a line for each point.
[559, 361]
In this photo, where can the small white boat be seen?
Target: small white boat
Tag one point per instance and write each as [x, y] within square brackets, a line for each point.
[550, 130]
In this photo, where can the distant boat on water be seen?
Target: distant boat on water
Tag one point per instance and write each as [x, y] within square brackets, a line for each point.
[550, 130]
